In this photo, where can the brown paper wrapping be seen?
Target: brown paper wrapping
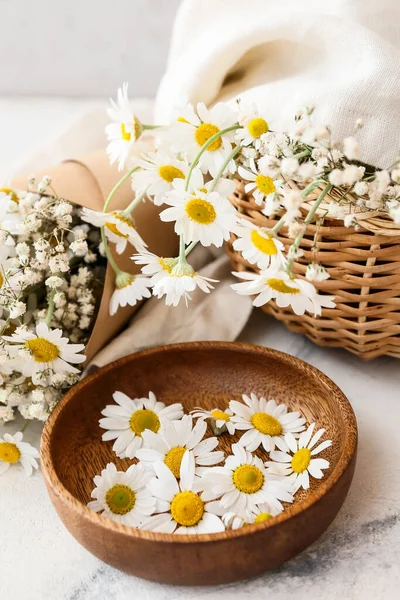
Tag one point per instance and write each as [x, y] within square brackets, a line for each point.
[87, 182]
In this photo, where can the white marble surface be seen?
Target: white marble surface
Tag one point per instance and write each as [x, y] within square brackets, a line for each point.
[357, 558]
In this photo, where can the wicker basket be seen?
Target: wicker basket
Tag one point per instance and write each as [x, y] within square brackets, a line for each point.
[364, 268]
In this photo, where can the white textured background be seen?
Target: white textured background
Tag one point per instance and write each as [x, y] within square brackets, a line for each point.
[83, 47]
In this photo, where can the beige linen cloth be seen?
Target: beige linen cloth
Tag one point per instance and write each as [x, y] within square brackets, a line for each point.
[343, 56]
[220, 315]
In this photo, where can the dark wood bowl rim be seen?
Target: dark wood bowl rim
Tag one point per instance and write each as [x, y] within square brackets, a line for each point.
[348, 444]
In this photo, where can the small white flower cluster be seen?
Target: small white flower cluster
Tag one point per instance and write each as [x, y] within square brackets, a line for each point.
[50, 265]
[190, 172]
[176, 486]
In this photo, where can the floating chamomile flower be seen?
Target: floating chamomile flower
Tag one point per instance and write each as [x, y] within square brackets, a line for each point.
[259, 184]
[254, 125]
[123, 496]
[177, 282]
[129, 289]
[259, 514]
[200, 216]
[170, 444]
[220, 420]
[257, 245]
[298, 466]
[182, 510]
[46, 349]
[126, 421]
[118, 227]
[193, 130]
[243, 483]
[158, 172]
[274, 283]
[125, 129]
[13, 450]
[266, 422]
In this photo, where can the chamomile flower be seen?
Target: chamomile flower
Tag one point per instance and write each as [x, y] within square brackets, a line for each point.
[177, 282]
[124, 130]
[265, 422]
[129, 289]
[182, 510]
[170, 444]
[220, 420]
[118, 227]
[260, 185]
[126, 421]
[257, 245]
[151, 264]
[273, 283]
[243, 483]
[123, 496]
[200, 216]
[193, 130]
[13, 450]
[198, 184]
[254, 125]
[259, 514]
[299, 465]
[159, 170]
[46, 349]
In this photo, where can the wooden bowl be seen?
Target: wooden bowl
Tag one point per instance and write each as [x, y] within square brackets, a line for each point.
[206, 374]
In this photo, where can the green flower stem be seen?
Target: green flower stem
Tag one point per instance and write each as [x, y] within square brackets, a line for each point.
[190, 248]
[307, 220]
[117, 186]
[50, 309]
[304, 194]
[204, 148]
[150, 127]
[129, 209]
[235, 151]
[108, 252]
[26, 425]
[182, 250]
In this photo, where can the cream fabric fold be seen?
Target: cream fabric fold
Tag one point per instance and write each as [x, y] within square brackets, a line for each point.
[342, 56]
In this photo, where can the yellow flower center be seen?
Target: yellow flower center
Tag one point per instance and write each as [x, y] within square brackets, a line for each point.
[137, 130]
[42, 350]
[280, 286]
[9, 453]
[220, 415]
[266, 424]
[167, 264]
[173, 460]
[169, 173]
[144, 419]
[248, 479]
[201, 211]
[114, 228]
[11, 193]
[266, 245]
[265, 184]
[126, 136]
[262, 517]
[257, 127]
[204, 132]
[187, 509]
[120, 499]
[301, 459]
